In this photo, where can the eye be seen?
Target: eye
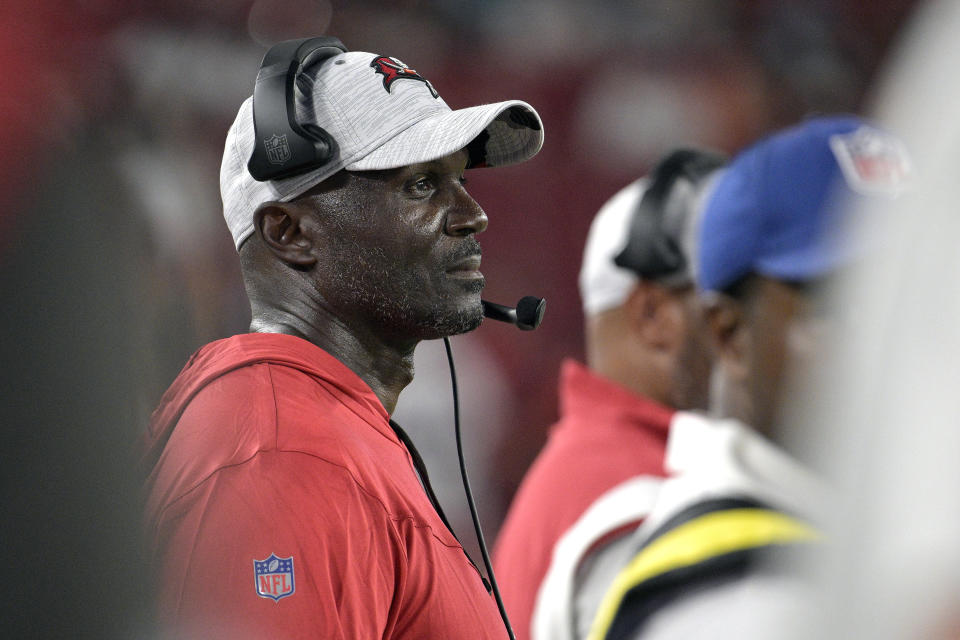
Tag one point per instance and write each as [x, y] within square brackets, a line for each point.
[422, 185]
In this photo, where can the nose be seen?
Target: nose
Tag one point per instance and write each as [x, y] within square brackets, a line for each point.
[465, 217]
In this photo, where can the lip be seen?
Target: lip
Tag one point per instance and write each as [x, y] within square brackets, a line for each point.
[466, 268]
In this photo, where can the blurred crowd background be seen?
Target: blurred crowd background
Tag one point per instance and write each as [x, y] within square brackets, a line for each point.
[117, 265]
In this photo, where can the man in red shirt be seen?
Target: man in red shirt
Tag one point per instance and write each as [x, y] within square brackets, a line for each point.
[646, 357]
[283, 501]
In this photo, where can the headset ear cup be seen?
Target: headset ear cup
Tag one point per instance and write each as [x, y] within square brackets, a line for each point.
[283, 146]
[653, 249]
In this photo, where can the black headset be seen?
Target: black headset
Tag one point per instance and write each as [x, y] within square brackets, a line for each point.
[654, 243]
[282, 146]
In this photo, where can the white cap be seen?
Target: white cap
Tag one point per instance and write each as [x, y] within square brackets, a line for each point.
[604, 285]
[379, 121]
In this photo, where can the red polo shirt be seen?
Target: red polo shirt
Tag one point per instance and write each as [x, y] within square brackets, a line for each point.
[606, 435]
[283, 505]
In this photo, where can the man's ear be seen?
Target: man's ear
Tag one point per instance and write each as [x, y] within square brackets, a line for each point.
[728, 333]
[280, 226]
[655, 315]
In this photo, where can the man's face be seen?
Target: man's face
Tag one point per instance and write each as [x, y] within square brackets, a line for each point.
[398, 254]
[782, 337]
[691, 389]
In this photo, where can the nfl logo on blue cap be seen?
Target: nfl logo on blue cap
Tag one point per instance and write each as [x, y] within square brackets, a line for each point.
[781, 207]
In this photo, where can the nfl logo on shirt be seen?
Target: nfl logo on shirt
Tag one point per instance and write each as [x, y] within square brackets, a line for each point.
[274, 577]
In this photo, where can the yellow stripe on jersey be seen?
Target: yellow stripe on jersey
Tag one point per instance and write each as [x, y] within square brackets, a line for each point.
[700, 539]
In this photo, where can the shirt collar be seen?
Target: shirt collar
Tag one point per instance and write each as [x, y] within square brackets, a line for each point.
[727, 456]
[295, 352]
[586, 394]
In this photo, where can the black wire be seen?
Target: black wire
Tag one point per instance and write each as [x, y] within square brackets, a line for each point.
[466, 488]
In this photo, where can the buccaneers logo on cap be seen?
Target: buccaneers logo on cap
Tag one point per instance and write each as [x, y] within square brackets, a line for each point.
[392, 70]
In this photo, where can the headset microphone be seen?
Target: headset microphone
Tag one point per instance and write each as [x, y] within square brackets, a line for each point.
[527, 315]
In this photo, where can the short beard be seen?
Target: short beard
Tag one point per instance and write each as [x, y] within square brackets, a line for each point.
[456, 321]
[392, 299]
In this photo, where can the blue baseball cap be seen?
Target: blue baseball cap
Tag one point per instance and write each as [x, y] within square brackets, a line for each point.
[780, 208]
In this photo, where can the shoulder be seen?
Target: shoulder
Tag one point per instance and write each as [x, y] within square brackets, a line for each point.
[263, 430]
[271, 488]
[589, 554]
[223, 424]
[704, 546]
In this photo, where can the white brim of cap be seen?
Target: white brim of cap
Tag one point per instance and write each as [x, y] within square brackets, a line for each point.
[440, 134]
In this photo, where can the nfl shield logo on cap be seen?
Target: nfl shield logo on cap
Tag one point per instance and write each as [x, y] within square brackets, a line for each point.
[278, 151]
[274, 577]
[872, 161]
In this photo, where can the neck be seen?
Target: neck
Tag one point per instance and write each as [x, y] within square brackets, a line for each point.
[386, 368]
[731, 400]
[619, 356]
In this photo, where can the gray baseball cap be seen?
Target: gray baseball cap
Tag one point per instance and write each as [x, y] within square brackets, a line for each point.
[383, 115]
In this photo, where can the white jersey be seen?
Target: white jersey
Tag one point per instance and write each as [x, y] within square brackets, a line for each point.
[729, 493]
